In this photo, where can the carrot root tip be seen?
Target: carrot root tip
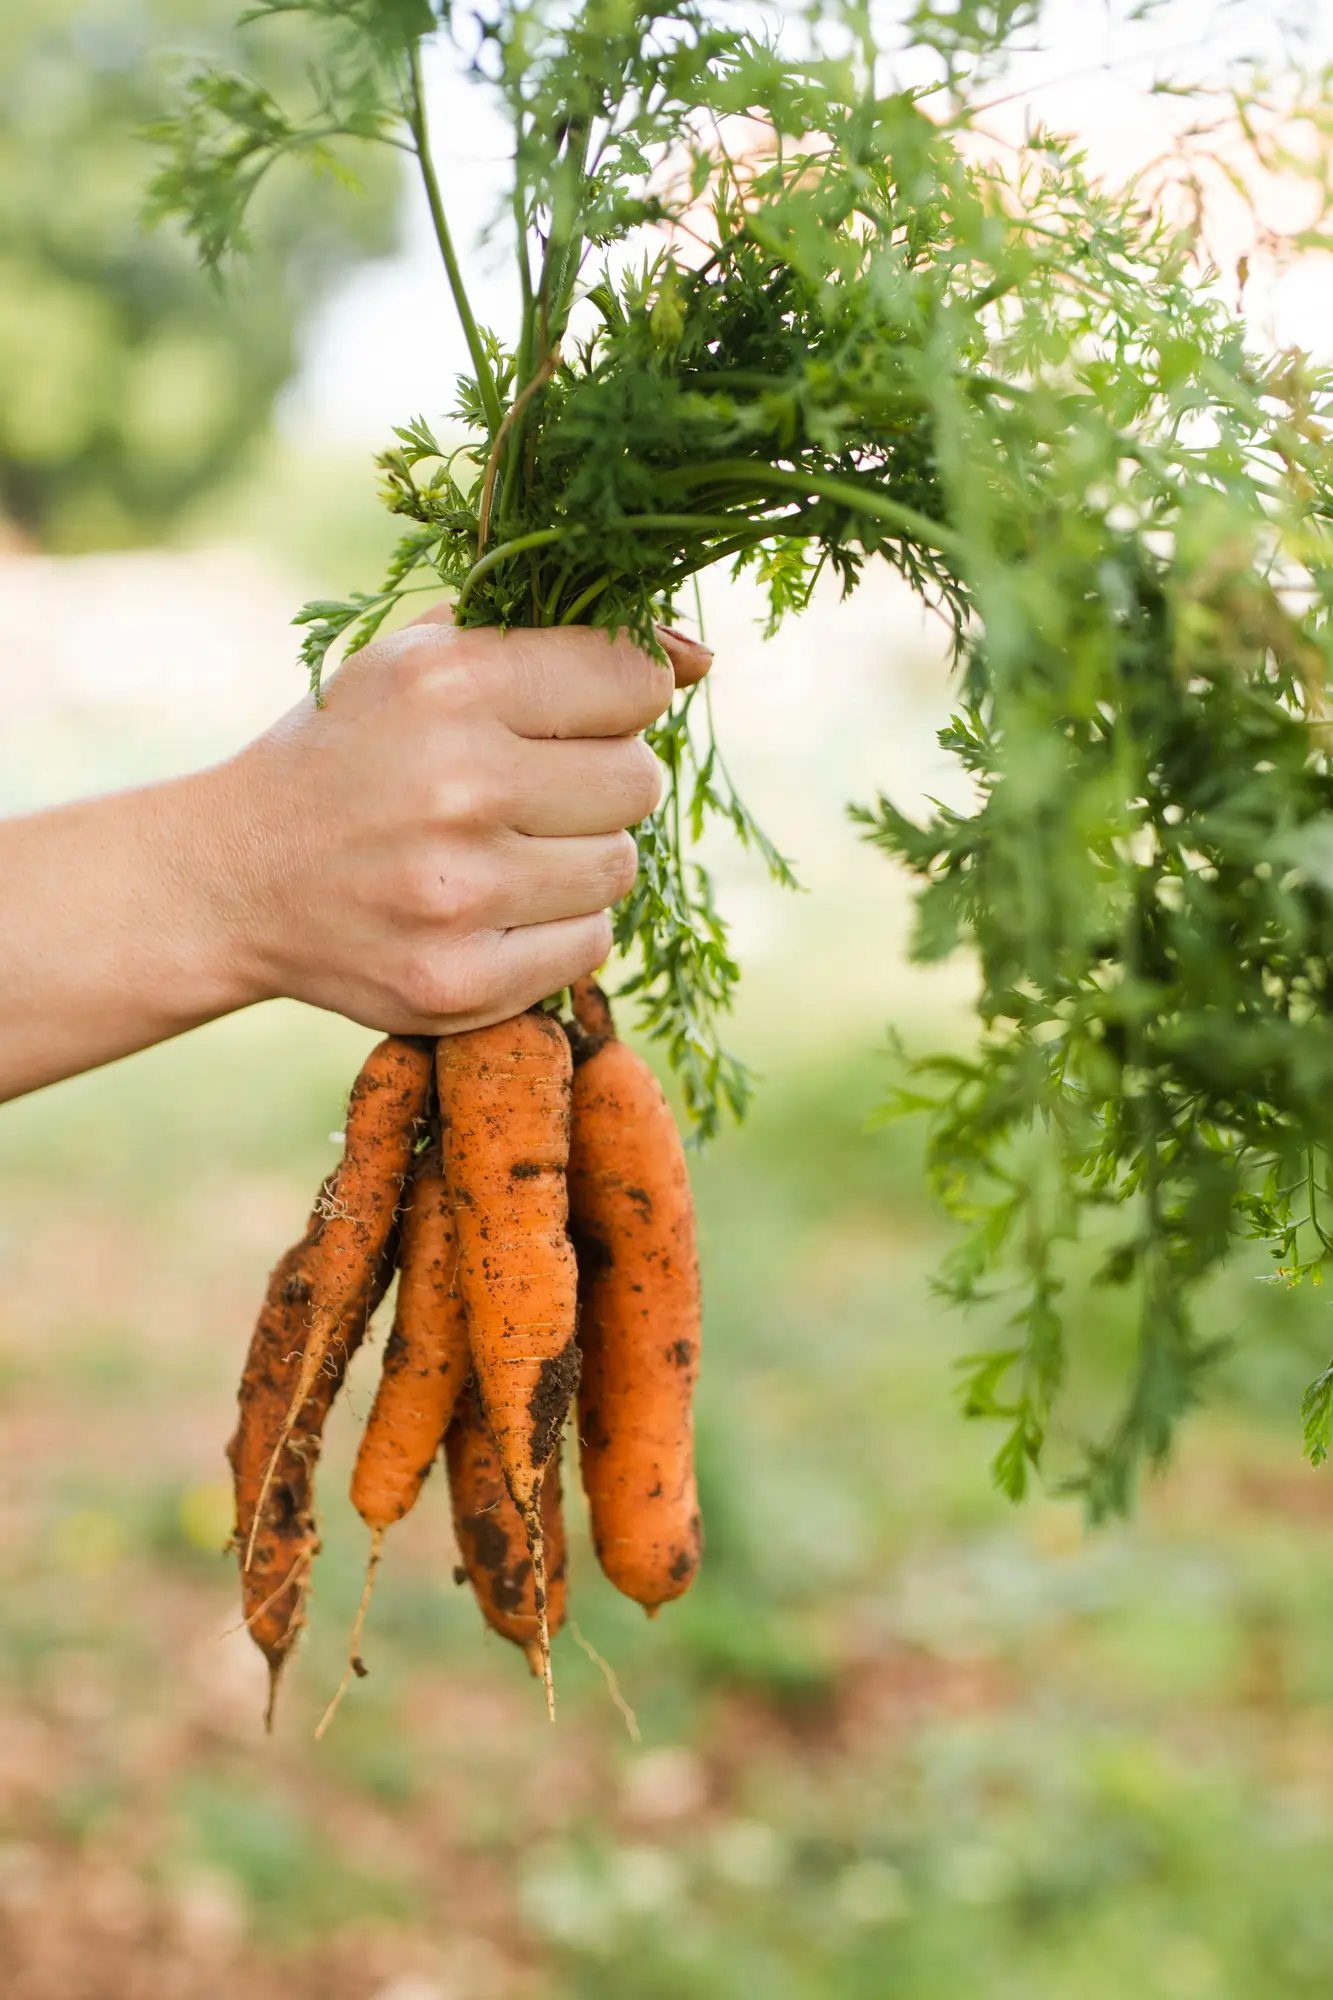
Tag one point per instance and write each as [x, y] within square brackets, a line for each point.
[608, 1674]
[356, 1666]
[275, 1668]
[537, 1550]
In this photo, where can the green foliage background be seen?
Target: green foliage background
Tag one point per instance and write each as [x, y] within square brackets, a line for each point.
[128, 385]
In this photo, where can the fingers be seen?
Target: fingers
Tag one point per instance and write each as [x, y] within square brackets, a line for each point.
[541, 880]
[690, 658]
[572, 682]
[577, 682]
[531, 964]
[496, 974]
[460, 899]
[597, 785]
[460, 891]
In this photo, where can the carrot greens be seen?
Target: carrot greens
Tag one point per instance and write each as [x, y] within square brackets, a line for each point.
[780, 310]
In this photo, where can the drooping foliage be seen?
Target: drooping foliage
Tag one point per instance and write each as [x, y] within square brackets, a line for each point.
[781, 311]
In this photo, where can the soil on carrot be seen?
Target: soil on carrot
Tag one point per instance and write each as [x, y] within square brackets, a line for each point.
[490, 1545]
[549, 1403]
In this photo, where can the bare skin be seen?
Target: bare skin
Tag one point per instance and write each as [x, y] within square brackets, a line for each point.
[435, 849]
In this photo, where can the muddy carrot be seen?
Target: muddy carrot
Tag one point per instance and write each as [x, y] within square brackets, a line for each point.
[504, 1112]
[425, 1359]
[493, 1540]
[384, 1113]
[275, 1583]
[632, 1219]
[426, 1363]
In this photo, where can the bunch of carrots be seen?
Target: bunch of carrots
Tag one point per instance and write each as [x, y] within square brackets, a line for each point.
[528, 1184]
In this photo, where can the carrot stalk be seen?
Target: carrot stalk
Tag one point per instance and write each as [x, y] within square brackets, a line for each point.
[632, 1217]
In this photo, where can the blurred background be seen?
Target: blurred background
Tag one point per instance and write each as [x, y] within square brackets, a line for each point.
[901, 1741]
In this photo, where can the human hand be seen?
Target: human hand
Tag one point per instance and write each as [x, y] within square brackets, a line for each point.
[437, 847]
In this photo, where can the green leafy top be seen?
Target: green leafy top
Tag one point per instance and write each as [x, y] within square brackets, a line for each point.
[778, 316]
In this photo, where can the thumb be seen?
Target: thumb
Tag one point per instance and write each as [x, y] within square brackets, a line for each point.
[690, 661]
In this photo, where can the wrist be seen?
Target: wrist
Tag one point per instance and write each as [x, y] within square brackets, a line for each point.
[216, 892]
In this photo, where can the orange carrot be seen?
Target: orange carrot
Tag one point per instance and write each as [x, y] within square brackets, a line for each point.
[632, 1218]
[492, 1537]
[426, 1363]
[387, 1104]
[592, 1014]
[504, 1112]
[275, 1582]
[426, 1358]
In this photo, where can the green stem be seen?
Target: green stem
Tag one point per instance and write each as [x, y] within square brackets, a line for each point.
[756, 531]
[564, 243]
[540, 538]
[584, 599]
[867, 499]
[527, 340]
[490, 397]
[1313, 1186]
[527, 362]
[718, 521]
[548, 616]
[759, 531]
[718, 553]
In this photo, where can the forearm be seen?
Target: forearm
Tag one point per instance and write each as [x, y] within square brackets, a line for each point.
[120, 926]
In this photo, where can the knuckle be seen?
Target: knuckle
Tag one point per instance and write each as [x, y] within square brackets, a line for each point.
[621, 866]
[438, 982]
[645, 782]
[398, 656]
[470, 985]
[430, 892]
[600, 938]
[536, 685]
[463, 798]
[441, 669]
[417, 891]
[473, 781]
[650, 688]
[421, 984]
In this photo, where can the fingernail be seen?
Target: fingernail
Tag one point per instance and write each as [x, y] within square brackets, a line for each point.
[684, 639]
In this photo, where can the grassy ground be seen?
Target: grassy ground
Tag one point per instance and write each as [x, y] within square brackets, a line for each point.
[900, 1742]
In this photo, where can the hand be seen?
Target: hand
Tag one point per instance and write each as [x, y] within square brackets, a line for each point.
[437, 847]
[434, 849]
